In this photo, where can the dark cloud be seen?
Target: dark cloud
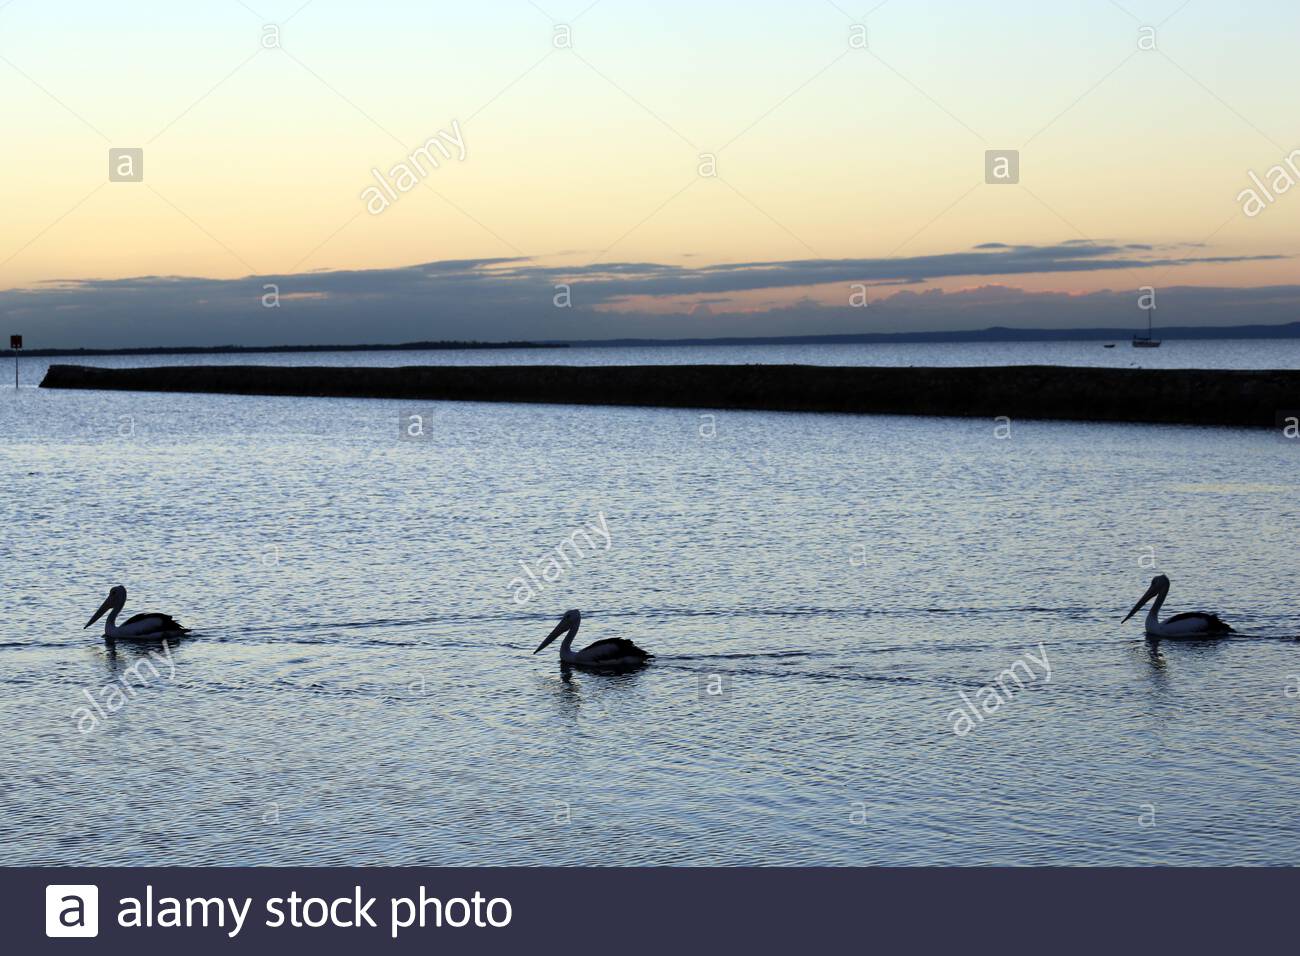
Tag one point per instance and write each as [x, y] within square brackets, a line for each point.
[511, 298]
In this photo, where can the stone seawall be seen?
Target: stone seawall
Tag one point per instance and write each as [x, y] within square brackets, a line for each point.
[1188, 396]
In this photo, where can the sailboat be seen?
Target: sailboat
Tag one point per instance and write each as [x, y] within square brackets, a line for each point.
[1146, 341]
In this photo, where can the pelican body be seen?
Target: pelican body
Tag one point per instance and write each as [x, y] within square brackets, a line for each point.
[610, 653]
[141, 627]
[1189, 626]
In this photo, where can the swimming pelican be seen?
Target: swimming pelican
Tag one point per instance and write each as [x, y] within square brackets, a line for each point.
[1191, 625]
[611, 652]
[141, 627]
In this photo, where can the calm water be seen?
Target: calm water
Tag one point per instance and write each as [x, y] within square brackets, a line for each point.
[360, 687]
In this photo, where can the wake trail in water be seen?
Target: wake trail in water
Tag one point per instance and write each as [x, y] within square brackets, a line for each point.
[798, 611]
[443, 620]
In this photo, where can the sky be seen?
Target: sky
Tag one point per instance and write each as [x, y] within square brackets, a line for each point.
[327, 171]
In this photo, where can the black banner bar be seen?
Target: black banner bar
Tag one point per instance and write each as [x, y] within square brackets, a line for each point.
[626, 911]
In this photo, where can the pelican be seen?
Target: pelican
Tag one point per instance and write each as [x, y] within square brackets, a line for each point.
[1193, 624]
[141, 627]
[612, 652]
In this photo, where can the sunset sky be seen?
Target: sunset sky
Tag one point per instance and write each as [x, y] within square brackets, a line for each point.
[582, 166]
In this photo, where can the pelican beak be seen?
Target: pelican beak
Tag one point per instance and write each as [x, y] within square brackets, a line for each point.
[559, 629]
[108, 603]
[1151, 592]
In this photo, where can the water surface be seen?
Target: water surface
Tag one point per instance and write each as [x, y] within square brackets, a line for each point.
[1227, 353]
[360, 687]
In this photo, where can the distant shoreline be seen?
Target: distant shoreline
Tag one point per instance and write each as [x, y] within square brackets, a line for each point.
[1285, 331]
[272, 349]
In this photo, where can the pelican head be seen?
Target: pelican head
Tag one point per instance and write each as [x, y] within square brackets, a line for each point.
[1159, 585]
[115, 601]
[569, 622]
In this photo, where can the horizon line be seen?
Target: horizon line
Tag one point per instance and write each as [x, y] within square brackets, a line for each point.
[1289, 330]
